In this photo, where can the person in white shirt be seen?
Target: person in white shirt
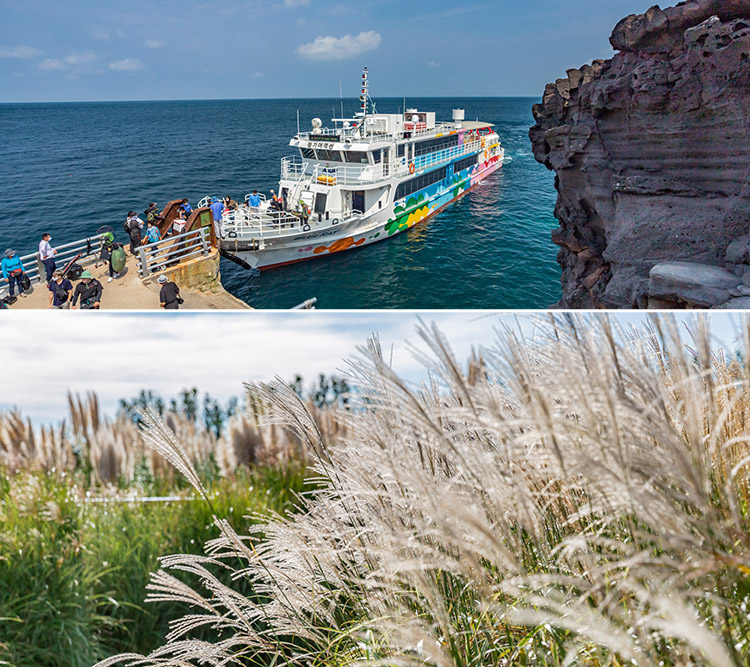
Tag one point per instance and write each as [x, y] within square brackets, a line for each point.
[47, 256]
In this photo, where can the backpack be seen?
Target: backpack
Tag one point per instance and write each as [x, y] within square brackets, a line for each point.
[25, 282]
[126, 226]
[74, 272]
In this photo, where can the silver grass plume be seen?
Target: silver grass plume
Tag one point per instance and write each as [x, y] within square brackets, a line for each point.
[579, 497]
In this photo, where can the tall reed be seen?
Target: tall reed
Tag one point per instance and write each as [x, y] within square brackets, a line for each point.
[576, 497]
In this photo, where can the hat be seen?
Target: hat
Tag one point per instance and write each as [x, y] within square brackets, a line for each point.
[86, 274]
[273, 192]
[161, 279]
[10, 252]
[214, 199]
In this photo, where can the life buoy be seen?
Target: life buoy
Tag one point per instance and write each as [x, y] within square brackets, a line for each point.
[411, 168]
[305, 227]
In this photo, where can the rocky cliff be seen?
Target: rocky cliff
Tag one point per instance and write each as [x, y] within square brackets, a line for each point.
[651, 150]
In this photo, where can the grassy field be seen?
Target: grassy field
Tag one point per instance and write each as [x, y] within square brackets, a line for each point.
[73, 572]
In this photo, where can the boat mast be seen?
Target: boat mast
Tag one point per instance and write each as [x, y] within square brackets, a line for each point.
[363, 97]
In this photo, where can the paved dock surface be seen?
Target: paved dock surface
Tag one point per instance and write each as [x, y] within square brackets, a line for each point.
[129, 292]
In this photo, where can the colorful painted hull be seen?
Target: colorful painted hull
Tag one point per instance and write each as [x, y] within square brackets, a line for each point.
[403, 215]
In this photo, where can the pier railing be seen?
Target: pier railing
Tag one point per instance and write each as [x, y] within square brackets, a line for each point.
[34, 269]
[173, 250]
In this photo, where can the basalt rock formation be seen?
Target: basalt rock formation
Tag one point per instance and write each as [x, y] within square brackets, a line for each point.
[651, 150]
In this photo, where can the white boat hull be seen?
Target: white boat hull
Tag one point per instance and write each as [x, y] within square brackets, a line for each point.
[325, 239]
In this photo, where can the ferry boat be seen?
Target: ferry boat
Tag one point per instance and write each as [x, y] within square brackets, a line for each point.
[368, 178]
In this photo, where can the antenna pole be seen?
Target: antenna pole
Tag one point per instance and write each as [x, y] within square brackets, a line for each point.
[341, 97]
[297, 122]
[364, 95]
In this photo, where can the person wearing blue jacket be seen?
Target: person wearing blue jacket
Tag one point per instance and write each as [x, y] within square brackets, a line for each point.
[217, 211]
[12, 270]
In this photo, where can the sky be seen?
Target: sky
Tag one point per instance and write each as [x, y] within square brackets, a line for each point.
[118, 354]
[89, 50]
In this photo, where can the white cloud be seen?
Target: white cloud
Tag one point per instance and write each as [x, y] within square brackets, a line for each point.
[85, 352]
[74, 62]
[80, 58]
[127, 65]
[340, 48]
[296, 3]
[432, 63]
[154, 44]
[20, 52]
[101, 34]
[51, 64]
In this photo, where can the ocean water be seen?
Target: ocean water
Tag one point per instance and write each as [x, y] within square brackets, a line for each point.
[69, 168]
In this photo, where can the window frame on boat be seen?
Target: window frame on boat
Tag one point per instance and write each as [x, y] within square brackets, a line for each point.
[465, 163]
[362, 157]
[434, 145]
[420, 182]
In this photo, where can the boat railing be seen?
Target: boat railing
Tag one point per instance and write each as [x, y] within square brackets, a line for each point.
[248, 224]
[448, 154]
[327, 174]
[371, 173]
[173, 250]
[353, 135]
[293, 170]
[34, 269]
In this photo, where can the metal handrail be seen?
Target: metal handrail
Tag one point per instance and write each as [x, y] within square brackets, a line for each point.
[353, 133]
[32, 263]
[172, 250]
[243, 224]
[373, 173]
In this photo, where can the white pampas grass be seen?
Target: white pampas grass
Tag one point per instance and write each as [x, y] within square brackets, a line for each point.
[580, 497]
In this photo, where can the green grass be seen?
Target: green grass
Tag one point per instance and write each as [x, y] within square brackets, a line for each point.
[73, 573]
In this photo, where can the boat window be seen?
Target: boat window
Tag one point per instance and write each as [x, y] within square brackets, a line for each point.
[358, 157]
[320, 202]
[400, 150]
[307, 153]
[329, 156]
[432, 145]
[464, 164]
[377, 156]
[420, 182]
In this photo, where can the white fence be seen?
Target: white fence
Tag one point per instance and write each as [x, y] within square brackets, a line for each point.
[34, 269]
[173, 250]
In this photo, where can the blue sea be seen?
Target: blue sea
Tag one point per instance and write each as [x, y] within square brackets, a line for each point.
[70, 168]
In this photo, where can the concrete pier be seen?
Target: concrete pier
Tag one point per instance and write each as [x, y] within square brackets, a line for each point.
[199, 281]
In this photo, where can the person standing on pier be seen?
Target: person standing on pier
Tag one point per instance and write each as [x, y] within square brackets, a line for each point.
[133, 226]
[169, 295]
[47, 256]
[88, 291]
[217, 211]
[59, 291]
[12, 270]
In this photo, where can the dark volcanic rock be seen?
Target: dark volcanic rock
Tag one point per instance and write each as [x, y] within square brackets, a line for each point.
[652, 152]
